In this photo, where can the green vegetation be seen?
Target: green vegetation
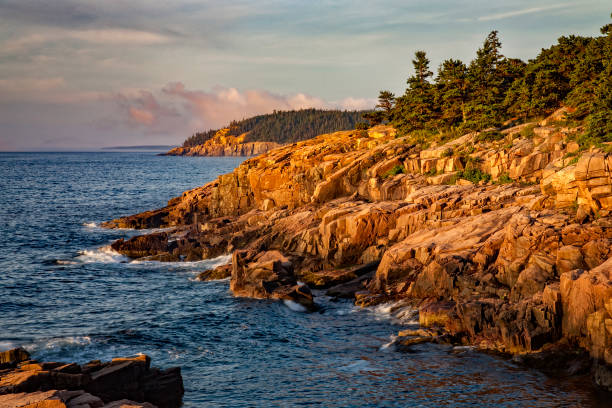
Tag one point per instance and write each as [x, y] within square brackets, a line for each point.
[492, 89]
[527, 132]
[395, 171]
[286, 126]
[504, 178]
[448, 152]
[489, 136]
[472, 174]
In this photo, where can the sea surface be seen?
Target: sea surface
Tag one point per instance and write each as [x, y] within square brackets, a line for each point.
[65, 296]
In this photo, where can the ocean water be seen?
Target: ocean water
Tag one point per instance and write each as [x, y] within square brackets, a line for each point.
[65, 296]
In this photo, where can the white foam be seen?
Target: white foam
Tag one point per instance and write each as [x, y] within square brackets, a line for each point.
[90, 224]
[398, 311]
[386, 346]
[296, 307]
[196, 266]
[64, 262]
[103, 254]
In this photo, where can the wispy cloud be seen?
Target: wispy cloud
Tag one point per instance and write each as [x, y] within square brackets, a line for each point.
[109, 36]
[531, 10]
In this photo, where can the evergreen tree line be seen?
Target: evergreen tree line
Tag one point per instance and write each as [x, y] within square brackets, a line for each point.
[285, 126]
[491, 89]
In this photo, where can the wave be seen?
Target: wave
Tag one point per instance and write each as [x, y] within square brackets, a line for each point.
[57, 344]
[103, 254]
[399, 311]
[199, 265]
[295, 306]
[390, 344]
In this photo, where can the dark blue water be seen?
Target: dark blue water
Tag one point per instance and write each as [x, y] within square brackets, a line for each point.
[64, 296]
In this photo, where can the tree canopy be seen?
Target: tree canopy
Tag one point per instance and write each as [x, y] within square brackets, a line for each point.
[285, 126]
[492, 88]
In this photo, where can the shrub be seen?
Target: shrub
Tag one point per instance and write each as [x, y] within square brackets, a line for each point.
[504, 178]
[489, 136]
[395, 171]
[448, 152]
[471, 173]
[527, 131]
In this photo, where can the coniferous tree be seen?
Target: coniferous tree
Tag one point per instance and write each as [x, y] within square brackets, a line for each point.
[415, 109]
[386, 101]
[599, 122]
[451, 92]
[486, 85]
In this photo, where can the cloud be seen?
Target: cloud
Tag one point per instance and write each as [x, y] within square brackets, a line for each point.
[531, 10]
[30, 85]
[108, 36]
[140, 108]
[178, 109]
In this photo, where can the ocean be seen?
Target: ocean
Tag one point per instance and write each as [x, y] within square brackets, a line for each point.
[65, 296]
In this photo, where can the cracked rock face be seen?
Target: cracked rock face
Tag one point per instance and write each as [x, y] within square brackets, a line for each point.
[518, 266]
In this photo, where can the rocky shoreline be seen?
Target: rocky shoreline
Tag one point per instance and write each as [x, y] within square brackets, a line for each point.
[519, 262]
[122, 382]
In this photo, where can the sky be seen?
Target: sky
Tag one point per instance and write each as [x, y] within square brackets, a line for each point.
[85, 74]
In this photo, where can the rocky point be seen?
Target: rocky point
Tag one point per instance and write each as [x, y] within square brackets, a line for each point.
[518, 262]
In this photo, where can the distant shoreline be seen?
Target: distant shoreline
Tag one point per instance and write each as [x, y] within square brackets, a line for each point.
[144, 147]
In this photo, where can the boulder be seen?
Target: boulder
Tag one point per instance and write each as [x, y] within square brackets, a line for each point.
[220, 272]
[11, 358]
[142, 245]
[267, 275]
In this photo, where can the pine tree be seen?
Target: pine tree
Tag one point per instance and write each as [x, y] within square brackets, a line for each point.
[451, 92]
[599, 122]
[386, 101]
[415, 109]
[486, 85]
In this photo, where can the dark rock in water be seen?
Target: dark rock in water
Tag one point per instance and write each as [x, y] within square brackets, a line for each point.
[220, 272]
[90, 385]
[559, 360]
[347, 290]
[142, 245]
[602, 374]
[267, 275]
[328, 278]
